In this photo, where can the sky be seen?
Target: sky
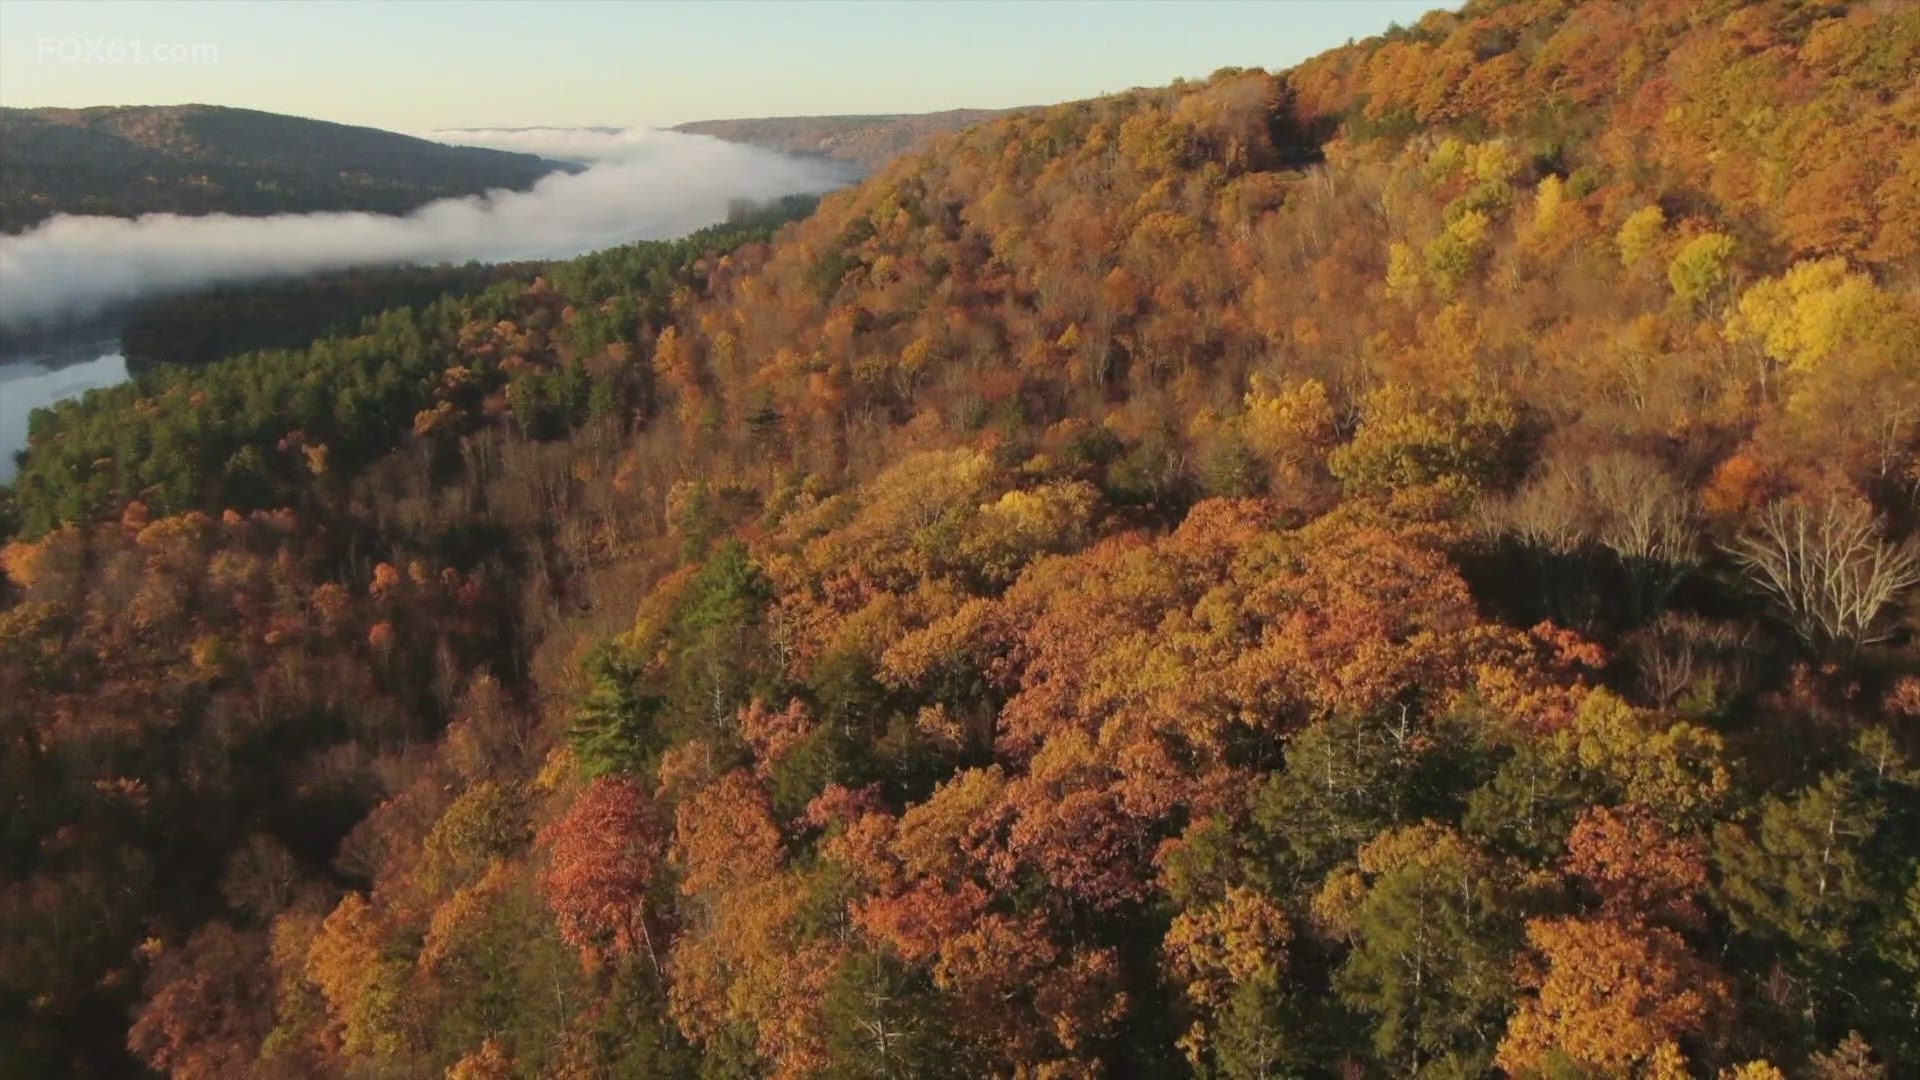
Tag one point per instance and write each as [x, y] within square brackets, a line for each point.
[415, 65]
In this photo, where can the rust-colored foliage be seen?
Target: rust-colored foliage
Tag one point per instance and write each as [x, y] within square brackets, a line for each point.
[208, 1012]
[603, 855]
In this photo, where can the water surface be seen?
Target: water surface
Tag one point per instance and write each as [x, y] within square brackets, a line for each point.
[31, 382]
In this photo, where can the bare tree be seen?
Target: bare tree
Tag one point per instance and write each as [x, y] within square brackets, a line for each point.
[1827, 567]
[1646, 517]
[1620, 502]
[1683, 654]
[1549, 514]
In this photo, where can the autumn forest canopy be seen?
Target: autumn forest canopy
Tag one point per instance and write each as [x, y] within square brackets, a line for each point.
[1407, 566]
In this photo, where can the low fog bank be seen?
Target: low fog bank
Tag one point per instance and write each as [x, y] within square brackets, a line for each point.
[581, 144]
[642, 184]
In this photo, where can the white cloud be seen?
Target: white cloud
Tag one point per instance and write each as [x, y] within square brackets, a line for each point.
[560, 143]
[644, 184]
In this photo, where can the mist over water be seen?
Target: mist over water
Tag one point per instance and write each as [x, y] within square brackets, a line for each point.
[587, 144]
[641, 184]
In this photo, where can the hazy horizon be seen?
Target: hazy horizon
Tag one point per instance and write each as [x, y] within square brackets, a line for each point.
[654, 65]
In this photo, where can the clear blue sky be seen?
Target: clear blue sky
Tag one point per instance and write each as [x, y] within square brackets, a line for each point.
[413, 65]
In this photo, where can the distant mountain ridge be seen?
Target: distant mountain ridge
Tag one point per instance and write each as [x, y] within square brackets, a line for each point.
[130, 160]
[866, 141]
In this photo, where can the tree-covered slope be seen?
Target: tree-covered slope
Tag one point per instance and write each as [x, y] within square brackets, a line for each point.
[197, 159]
[1401, 567]
[867, 142]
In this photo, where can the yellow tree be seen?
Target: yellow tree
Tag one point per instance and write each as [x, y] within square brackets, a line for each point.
[1608, 994]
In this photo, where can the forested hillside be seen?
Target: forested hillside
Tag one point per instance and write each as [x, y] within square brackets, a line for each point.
[1400, 567]
[865, 141]
[229, 320]
[124, 161]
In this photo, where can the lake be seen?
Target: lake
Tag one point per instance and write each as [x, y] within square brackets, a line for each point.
[29, 382]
